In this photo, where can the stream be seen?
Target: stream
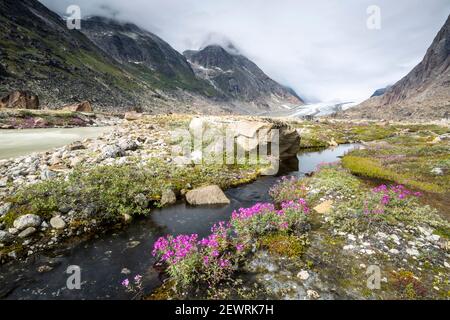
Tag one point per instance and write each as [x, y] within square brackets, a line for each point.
[108, 259]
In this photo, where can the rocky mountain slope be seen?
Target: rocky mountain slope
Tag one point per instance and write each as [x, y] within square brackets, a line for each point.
[38, 53]
[424, 93]
[240, 79]
[145, 54]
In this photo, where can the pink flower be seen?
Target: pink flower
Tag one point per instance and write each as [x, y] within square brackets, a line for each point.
[239, 247]
[126, 283]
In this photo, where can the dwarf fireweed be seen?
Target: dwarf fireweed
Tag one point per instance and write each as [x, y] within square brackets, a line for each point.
[288, 188]
[383, 197]
[213, 258]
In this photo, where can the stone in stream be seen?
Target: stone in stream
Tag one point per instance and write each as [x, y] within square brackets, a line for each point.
[206, 195]
[168, 197]
[26, 221]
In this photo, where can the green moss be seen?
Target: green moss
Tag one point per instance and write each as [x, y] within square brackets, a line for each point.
[370, 168]
[284, 244]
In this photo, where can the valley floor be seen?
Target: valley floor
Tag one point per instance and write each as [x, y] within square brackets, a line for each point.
[383, 208]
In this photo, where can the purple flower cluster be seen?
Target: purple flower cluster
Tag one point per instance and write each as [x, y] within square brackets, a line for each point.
[288, 188]
[247, 213]
[383, 196]
[173, 250]
[299, 204]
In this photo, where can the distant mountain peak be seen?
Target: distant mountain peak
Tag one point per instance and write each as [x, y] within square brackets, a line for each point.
[239, 78]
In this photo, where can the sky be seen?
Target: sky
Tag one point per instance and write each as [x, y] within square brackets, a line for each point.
[323, 49]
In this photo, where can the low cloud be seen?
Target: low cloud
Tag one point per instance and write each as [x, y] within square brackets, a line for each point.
[322, 49]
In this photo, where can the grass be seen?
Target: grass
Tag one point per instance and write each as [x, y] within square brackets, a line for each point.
[110, 192]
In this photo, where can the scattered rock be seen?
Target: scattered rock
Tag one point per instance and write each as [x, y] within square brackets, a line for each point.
[4, 182]
[84, 106]
[5, 237]
[314, 295]
[112, 152]
[27, 232]
[207, 195]
[26, 221]
[44, 268]
[437, 171]
[20, 100]
[412, 252]
[77, 145]
[57, 223]
[132, 116]
[5, 208]
[303, 275]
[324, 207]
[168, 197]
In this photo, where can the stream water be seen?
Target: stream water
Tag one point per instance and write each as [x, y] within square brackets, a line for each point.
[110, 258]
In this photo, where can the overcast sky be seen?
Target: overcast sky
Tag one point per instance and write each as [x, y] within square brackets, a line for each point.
[322, 48]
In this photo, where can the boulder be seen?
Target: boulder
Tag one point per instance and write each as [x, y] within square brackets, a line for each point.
[26, 221]
[112, 152]
[324, 207]
[84, 106]
[207, 195]
[20, 100]
[168, 197]
[132, 116]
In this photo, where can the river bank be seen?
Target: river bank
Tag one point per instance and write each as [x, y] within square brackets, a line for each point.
[120, 181]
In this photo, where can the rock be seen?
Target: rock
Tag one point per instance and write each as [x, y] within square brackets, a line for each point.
[13, 231]
[5, 237]
[132, 116]
[47, 174]
[112, 152]
[26, 221]
[77, 145]
[394, 251]
[168, 197]
[127, 144]
[4, 208]
[133, 244]
[303, 275]
[351, 237]
[412, 252]
[44, 268]
[324, 207]
[27, 232]
[20, 100]
[207, 195]
[437, 171]
[141, 200]
[84, 106]
[57, 223]
[127, 218]
[40, 123]
[4, 182]
[348, 247]
[314, 295]
[125, 271]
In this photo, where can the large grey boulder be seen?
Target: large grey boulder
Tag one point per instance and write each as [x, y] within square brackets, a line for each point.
[26, 221]
[206, 195]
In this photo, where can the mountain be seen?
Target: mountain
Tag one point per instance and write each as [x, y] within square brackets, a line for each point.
[424, 93]
[239, 79]
[145, 54]
[40, 54]
[380, 92]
